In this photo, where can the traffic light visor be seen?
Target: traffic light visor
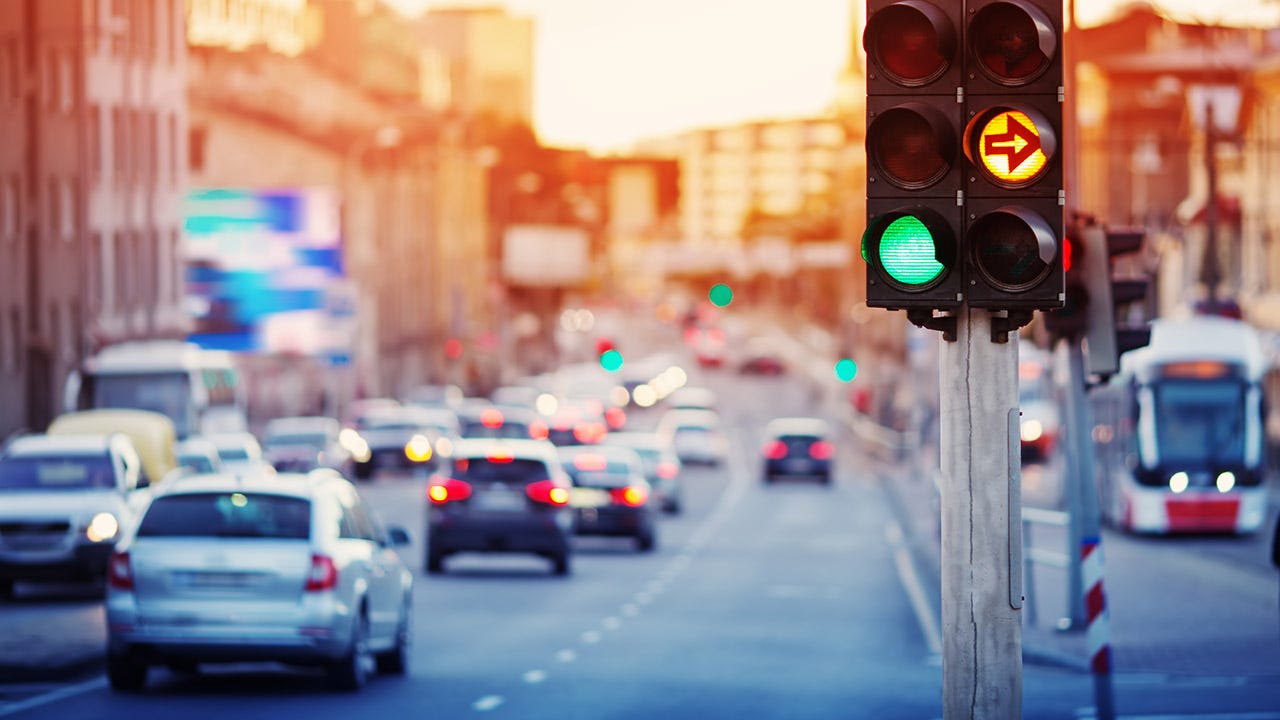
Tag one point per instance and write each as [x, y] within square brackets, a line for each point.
[1014, 42]
[912, 42]
[1012, 247]
[911, 145]
[1013, 146]
[912, 249]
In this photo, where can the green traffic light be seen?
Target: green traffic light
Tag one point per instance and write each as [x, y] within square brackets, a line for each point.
[611, 360]
[908, 252]
[720, 295]
[846, 370]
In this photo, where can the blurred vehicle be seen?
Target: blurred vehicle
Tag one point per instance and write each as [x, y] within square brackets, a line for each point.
[152, 434]
[439, 396]
[610, 495]
[520, 395]
[691, 397]
[199, 455]
[797, 447]
[392, 438]
[1040, 423]
[499, 496]
[1179, 432]
[577, 422]
[762, 356]
[199, 390]
[363, 406]
[695, 435]
[239, 452]
[708, 345]
[299, 444]
[284, 568]
[500, 421]
[64, 499]
[659, 462]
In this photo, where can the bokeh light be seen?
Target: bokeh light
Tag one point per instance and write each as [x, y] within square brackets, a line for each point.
[720, 295]
[611, 360]
[846, 369]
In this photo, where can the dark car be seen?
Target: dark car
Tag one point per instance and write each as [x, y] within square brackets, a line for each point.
[503, 496]
[401, 438]
[797, 447]
[610, 495]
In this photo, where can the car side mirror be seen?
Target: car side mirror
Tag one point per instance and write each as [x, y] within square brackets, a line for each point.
[398, 536]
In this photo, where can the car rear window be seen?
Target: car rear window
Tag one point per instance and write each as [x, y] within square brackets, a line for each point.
[56, 473]
[508, 430]
[613, 476]
[228, 514]
[515, 470]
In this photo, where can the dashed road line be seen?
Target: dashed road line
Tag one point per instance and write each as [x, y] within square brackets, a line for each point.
[915, 591]
[488, 703]
[53, 696]
[533, 677]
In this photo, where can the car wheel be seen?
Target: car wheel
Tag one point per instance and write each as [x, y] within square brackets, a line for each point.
[672, 508]
[435, 562]
[645, 541]
[560, 564]
[125, 672]
[396, 660]
[6, 589]
[767, 478]
[363, 471]
[352, 671]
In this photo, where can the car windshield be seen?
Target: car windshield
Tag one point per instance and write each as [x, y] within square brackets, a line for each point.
[505, 470]
[199, 463]
[56, 473]
[228, 514]
[318, 440]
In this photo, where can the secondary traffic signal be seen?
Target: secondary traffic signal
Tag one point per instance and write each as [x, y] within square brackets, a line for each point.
[1110, 333]
[914, 178]
[1071, 321]
[1013, 207]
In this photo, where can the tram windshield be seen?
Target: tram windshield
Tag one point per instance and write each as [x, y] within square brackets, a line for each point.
[1200, 423]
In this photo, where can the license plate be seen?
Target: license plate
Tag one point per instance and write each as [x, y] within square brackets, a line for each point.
[212, 580]
[799, 465]
[500, 500]
[588, 497]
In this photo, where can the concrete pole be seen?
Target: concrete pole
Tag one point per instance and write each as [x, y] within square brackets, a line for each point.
[981, 524]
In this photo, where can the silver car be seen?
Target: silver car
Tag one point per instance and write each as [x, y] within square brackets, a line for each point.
[290, 568]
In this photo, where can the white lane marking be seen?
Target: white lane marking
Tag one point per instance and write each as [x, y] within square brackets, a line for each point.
[915, 591]
[1260, 715]
[487, 703]
[630, 610]
[591, 637]
[533, 677]
[655, 587]
[566, 656]
[644, 598]
[54, 696]
[611, 623]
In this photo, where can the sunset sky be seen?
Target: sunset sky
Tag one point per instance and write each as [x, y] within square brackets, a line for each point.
[609, 72]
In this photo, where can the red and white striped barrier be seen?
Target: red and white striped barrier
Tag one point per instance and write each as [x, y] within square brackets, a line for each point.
[1095, 601]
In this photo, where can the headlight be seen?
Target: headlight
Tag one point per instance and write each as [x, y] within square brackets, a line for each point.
[1226, 481]
[104, 526]
[418, 449]
[1179, 481]
[1031, 430]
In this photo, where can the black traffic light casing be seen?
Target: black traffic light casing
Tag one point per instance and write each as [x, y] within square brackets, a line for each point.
[1013, 107]
[1107, 336]
[1071, 321]
[915, 175]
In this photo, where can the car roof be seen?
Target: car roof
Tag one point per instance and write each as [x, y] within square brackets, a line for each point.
[199, 444]
[518, 447]
[798, 426]
[636, 438]
[309, 423]
[610, 452]
[690, 417]
[80, 444]
[303, 485]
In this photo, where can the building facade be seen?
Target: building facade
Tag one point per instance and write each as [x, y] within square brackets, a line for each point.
[94, 110]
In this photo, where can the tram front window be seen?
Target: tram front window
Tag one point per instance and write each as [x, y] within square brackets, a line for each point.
[167, 393]
[1200, 425]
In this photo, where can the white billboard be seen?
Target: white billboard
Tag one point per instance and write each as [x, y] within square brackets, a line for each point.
[546, 255]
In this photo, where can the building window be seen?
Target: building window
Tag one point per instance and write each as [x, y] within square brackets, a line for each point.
[120, 284]
[66, 84]
[119, 27]
[9, 208]
[153, 147]
[93, 260]
[196, 139]
[67, 217]
[15, 338]
[118, 148]
[95, 142]
[179, 268]
[53, 203]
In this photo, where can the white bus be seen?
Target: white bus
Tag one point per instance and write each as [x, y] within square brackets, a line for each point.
[200, 390]
[1179, 431]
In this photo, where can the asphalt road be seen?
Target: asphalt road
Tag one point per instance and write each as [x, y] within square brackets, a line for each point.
[783, 601]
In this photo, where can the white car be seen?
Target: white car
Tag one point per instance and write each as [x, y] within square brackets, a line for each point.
[64, 501]
[299, 444]
[696, 435]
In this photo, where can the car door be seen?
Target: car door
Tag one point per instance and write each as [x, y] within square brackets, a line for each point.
[380, 565]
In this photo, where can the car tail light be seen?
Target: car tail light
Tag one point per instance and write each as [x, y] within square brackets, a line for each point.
[538, 430]
[446, 490]
[775, 450]
[590, 462]
[492, 418]
[668, 470]
[119, 572]
[548, 491]
[323, 574]
[617, 418]
[821, 450]
[631, 496]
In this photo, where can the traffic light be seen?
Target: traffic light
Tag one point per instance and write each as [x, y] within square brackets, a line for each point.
[1110, 336]
[914, 176]
[1013, 201]
[1071, 320]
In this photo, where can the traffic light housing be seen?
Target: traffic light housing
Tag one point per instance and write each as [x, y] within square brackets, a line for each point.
[912, 244]
[964, 178]
[1071, 321]
[1110, 334]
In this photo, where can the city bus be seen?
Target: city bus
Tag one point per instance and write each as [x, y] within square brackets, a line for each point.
[1179, 431]
[200, 390]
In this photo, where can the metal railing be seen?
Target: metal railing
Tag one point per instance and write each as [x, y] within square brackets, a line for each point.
[1032, 555]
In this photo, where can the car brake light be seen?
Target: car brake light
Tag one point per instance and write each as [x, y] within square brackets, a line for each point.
[590, 462]
[547, 491]
[775, 450]
[445, 490]
[617, 417]
[668, 470]
[323, 574]
[631, 496]
[119, 573]
[538, 430]
[821, 450]
[492, 418]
